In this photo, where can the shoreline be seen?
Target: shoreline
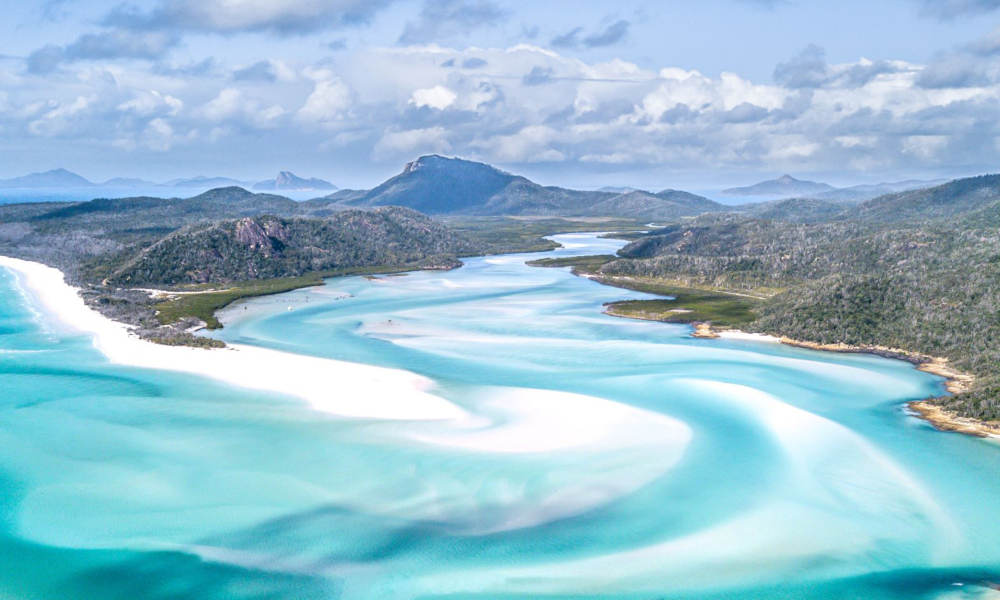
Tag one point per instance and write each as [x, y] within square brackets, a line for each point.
[330, 386]
[942, 419]
[956, 382]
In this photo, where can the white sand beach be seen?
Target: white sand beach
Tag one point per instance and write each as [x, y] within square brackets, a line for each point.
[733, 334]
[506, 420]
[337, 387]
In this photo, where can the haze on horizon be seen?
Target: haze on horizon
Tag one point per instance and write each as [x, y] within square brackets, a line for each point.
[639, 93]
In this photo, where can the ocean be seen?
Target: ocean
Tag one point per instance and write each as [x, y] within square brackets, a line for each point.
[598, 458]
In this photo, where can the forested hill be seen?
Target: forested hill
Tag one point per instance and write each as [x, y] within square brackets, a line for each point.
[229, 243]
[271, 247]
[916, 270]
[954, 198]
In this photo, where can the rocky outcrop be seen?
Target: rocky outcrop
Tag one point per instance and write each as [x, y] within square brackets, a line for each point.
[267, 235]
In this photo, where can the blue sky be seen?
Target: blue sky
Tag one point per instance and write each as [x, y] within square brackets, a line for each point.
[653, 94]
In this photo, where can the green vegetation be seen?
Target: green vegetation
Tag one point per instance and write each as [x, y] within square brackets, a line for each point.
[685, 304]
[270, 247]
[580, 264]
[229, 244]
[689, 306]
[916, 270]
[202, 305]
[501, 235]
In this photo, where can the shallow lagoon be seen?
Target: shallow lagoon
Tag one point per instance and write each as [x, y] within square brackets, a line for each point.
[600, 458]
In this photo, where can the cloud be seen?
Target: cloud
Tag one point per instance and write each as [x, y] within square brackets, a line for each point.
[570, 39]
[152, 103]
[537, 76]
[114, 44]
[259, 71]
[62, 117]
[328, 103]
[411, 142]
[55, 10]
[950, 9]
[234, 108]
[438, 97]
[200, 68]
[988, 45]
[383, 105]
[745, 112]
[954, 71]
[46, 59]
[865, 71]
[474, 63]
[612, 34]
[804, 70]
[265, 70]
[441, 19]
[767, 4]
[282, 17]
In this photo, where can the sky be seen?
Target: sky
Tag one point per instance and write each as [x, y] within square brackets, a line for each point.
[653, 94]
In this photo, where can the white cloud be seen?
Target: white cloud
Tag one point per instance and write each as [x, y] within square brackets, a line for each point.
[62, 117]
[438, 97]
[227, 103]
[145, 103]
[389, 104]
[394, 144]
[531, 144]
[230, 16]
[328, 102]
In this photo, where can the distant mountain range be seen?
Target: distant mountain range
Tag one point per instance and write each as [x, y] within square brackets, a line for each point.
[857, 193]
[786, 185]
[127, 182]
[203, 181]
[439, 185]
[288, 181]
[55, 178]
[64, 179]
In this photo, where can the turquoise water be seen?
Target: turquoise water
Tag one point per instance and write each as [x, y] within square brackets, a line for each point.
[605, 458]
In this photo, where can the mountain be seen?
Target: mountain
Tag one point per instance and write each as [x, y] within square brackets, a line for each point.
[786, 185]
[860, 193]
[286, 180]
[205, 182]
[618, 189]
[219, 203]
[794, 210]
[668, 204]
[267, 247]
[951, 199]
[127, 182]
[439, 185]
[436, 185]
[56, 178]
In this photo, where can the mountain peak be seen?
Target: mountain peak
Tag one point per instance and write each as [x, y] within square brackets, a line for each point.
[286, 180]
[55, 178]
[786, 185]
[436, 161]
